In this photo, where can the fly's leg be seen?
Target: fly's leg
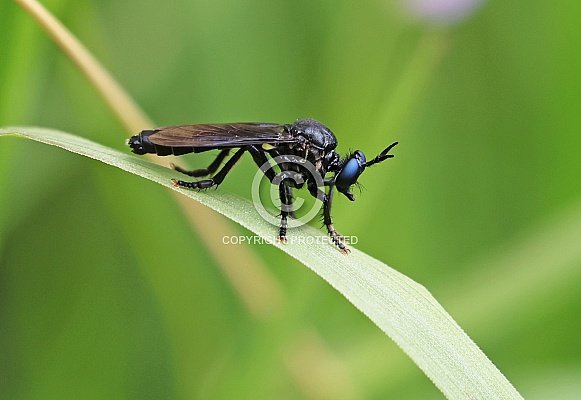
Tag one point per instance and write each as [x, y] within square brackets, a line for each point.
[198, 173]
[286, 209]
[285, 192]
[217, 179]
[335, 236]
[327, 200]
[290, 197]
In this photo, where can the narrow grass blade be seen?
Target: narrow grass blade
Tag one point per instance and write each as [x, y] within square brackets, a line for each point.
[402, 308]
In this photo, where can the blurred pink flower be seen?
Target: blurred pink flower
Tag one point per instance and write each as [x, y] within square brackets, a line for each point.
[441, 10]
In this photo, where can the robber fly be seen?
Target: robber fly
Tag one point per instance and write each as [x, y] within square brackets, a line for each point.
[306, 139]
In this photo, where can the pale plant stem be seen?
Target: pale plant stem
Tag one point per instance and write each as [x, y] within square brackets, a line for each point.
[258, 289]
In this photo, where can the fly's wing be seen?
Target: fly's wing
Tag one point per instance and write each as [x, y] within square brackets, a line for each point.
[221, 135]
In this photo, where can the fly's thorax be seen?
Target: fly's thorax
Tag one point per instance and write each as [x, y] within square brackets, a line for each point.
[314, 133]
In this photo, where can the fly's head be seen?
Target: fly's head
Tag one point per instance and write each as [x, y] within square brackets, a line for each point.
[350, 168]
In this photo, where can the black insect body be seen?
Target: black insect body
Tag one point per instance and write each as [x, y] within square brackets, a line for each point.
[295, 147]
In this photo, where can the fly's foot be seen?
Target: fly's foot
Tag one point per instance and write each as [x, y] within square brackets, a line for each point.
[283, 226]
[204, 184]
[337, 239]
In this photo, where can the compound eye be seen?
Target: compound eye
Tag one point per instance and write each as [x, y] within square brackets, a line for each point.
[350, 171]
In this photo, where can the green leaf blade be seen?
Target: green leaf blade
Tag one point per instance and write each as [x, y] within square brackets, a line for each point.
[400, 307]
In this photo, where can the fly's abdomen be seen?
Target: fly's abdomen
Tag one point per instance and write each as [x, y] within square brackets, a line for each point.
[140, 144]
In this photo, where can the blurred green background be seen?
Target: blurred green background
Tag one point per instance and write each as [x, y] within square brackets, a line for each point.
[106, 291]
